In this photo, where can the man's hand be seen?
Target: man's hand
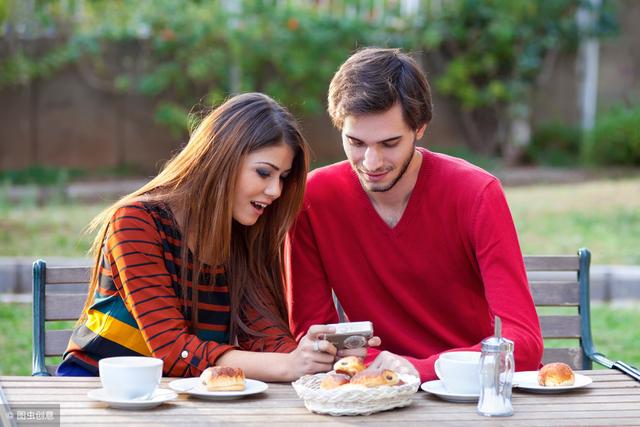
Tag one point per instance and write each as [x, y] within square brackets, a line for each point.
[388, 360]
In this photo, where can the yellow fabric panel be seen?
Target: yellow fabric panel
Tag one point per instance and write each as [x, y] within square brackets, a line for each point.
[117, 331]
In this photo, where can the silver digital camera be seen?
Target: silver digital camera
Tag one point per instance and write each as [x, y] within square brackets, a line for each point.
[350, 335]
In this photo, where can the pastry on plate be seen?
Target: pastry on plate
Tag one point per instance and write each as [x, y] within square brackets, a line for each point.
[556, 374]
[349, 365]
[223, 378]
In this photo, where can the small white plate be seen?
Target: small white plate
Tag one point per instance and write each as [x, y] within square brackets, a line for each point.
[528, 380]
[160, 396]
[436, 387]
[194, 387]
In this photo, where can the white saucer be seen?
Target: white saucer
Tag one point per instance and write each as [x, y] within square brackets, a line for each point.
[160, 396]
[436, 387]
[194, 387]
[528, 380]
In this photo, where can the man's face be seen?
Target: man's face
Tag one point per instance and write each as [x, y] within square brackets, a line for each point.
[379, 147]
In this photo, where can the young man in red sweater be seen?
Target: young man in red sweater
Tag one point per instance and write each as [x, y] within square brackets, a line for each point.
[420, 243]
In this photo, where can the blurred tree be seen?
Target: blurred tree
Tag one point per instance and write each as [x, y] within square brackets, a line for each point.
[489, 55]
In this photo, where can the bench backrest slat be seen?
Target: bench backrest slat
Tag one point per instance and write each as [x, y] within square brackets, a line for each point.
[555, 294]
[571, 356]
[552, 263]
[64, 306]
[61, 275]
[560, 326]
[56, 342]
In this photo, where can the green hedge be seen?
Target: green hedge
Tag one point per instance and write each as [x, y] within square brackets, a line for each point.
[615, 139]
[554, 144]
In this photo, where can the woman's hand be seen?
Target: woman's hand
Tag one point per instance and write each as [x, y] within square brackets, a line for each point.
[312, 354]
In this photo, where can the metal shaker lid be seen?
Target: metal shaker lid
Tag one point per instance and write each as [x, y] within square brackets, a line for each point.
[497, 342]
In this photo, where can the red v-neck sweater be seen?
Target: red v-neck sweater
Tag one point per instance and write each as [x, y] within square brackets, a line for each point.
[432, 283]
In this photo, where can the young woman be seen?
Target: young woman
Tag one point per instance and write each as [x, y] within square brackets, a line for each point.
[189, 268]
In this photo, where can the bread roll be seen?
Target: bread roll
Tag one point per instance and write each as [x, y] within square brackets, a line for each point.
[223, 378]
[334, 380]
[556, 374]
[349, 365]
[375, 378]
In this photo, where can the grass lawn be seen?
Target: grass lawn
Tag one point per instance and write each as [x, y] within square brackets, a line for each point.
[551, 219]
[15, 339]
[613, 331]
[603, 216]
[27, 230]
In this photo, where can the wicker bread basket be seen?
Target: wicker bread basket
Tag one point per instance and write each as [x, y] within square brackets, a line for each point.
[354, 399]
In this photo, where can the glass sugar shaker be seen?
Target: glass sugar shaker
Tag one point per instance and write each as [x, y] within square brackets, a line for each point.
[496, 374]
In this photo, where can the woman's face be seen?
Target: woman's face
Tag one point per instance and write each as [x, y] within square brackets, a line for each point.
[260, 181]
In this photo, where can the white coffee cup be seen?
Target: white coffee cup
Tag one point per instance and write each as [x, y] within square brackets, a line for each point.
[130, 377]
[459, 371]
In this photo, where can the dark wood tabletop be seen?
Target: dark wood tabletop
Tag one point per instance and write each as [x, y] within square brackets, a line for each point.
[613, 399]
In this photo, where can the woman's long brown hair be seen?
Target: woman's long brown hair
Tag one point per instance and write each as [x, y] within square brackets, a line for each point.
[199, 182]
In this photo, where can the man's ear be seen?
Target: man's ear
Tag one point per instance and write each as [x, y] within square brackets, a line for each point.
[420, 131]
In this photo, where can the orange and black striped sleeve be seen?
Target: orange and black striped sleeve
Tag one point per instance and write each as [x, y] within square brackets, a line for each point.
[135, 250]
[272, 337]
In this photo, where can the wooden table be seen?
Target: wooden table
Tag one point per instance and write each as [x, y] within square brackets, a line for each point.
[612, 399]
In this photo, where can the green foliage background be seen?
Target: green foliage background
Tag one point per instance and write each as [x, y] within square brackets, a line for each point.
[485, 55]
[615, 139]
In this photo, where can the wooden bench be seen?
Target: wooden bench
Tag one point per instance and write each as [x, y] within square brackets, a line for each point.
[59, 293]
[563, 281]
[571, 291]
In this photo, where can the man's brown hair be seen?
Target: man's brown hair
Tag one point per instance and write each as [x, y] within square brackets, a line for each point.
[373, 79]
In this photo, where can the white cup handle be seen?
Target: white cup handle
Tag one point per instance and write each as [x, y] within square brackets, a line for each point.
[148, 396]
[435, 366]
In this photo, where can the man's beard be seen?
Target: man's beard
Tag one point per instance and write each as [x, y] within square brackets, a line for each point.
[403, 170]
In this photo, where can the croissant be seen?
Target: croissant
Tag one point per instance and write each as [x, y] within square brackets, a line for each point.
[333, 380]
[349, 365]
[375, 378]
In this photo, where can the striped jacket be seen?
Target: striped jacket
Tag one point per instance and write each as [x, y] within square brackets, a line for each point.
[137, 305]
